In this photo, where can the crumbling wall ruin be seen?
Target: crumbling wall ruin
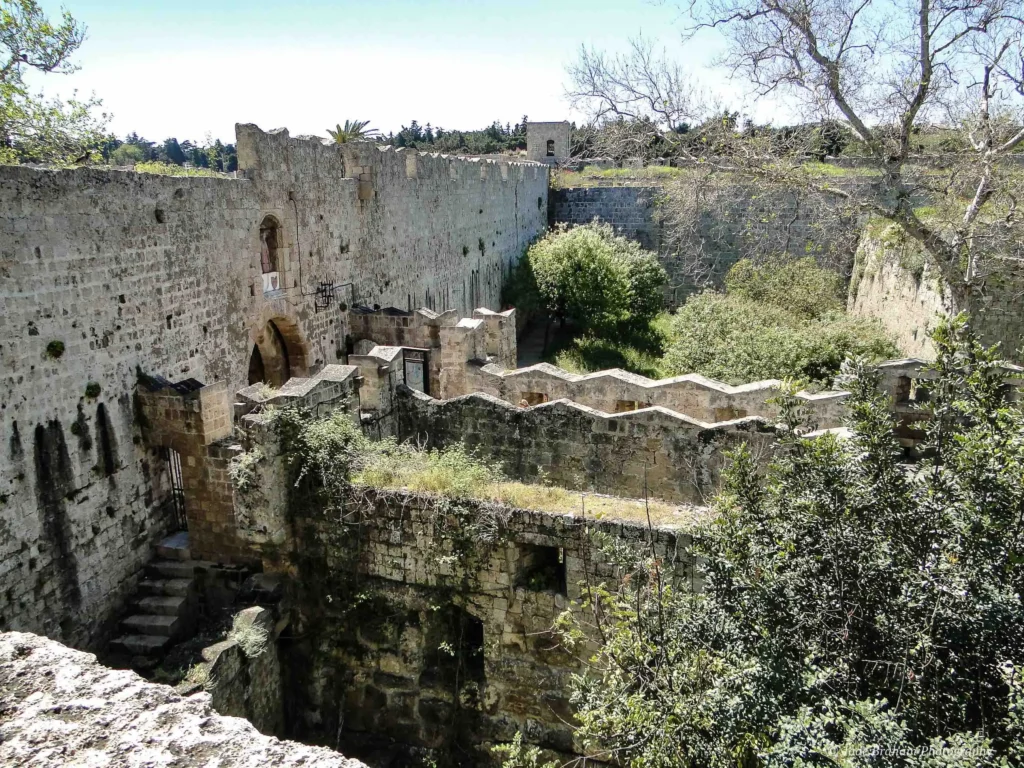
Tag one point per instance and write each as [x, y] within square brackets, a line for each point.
[425, 622]
[652, 451]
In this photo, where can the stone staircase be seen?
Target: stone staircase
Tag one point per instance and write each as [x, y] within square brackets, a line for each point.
[164, 608]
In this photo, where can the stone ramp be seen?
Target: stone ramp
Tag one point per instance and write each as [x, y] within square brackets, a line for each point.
[63, 708]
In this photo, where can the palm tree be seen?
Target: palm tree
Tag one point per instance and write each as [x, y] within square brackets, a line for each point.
[353, 130]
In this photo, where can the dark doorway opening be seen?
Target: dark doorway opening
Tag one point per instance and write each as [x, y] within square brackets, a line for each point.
[269, 361]
[176, 499]
[256, 370]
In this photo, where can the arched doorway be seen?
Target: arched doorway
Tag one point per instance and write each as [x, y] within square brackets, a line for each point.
[271, 361]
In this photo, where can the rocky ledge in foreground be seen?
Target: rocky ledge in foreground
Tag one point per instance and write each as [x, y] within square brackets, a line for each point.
[60, 707]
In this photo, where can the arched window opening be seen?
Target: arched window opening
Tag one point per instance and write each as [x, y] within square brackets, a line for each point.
[270, 254]
[551, 147]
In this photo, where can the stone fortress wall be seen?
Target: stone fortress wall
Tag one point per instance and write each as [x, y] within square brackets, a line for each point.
[108, 274]
[611, 432]
[743, 221]
[894, 283]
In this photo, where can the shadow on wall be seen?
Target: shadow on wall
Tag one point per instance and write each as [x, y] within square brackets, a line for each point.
[54, 482]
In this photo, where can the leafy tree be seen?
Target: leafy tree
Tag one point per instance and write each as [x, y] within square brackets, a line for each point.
[148, 147]
[594, 277]
[353, 130]
[127, 154]
[173, 152]
[32, 128]
[855, 611]
[888, 71]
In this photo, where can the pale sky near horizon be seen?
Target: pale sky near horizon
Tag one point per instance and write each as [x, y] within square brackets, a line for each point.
[188, 68]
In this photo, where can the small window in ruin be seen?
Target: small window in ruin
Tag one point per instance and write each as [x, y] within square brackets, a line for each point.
[541, 569]
[551, 147]
[533, 398]
[453, 650]
[271, 242]
[910, 391]
[622, 406]
[270, 245]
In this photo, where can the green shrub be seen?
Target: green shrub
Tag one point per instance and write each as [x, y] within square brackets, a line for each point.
[92, 390]
[170, 169]
[587, 354]
[55, 349]
[451, 471]
[738, 340]
[799, 286]
[591, 276]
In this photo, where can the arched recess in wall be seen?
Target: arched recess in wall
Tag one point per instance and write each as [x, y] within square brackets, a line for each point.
[271, 254]
[278, 352]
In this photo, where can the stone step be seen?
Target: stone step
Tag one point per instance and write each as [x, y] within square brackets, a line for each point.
[163, 605]
[141, 645]
[170, 569]
[178, 587]
[149, 624]
[174, 547]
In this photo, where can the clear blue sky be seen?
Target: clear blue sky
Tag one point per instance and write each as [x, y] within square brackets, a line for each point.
[186, 68]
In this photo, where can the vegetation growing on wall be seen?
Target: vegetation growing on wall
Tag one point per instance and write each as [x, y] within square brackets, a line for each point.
[170, 169]
[335, 455]
[209, 154]
[855, 613]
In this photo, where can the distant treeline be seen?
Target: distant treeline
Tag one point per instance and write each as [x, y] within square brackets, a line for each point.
[494, 139]
[214, 155]
[725, 134]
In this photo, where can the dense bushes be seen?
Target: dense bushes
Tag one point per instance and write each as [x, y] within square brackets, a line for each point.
[738, 340]
[796, 285]
[855, 612]
[780, 320]
[777, 319]
[590, 276]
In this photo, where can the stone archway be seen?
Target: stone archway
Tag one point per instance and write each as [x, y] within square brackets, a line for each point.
[278, 352]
